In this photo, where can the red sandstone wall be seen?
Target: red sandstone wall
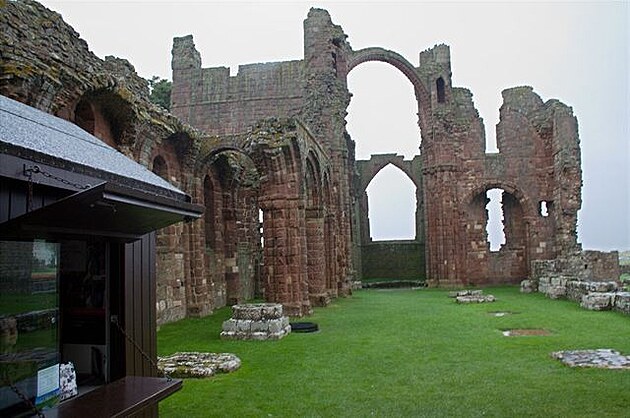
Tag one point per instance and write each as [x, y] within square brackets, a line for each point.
[213, 101]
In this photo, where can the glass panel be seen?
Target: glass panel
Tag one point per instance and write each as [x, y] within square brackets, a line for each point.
[29, 316]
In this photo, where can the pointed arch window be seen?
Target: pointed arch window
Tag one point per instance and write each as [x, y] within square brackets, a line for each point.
[392, 205]
[441, 90]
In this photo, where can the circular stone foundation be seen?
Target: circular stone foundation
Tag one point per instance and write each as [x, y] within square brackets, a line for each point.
[193, 364]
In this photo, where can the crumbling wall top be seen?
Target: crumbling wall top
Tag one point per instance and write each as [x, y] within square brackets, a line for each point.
[185, 55]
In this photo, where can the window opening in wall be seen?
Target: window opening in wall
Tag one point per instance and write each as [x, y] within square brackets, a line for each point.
[209, 213]
[495, 227]
[439, 85]
[160, 167]
[392, 205]
[84, 116]
[260, 227]
[544, 209]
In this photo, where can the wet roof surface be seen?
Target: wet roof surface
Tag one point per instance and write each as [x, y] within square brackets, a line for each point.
[29, 128]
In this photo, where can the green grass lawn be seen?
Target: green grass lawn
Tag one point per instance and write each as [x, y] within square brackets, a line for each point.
[409, 353]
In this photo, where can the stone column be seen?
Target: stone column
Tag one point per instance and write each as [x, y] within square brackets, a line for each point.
[315, 252]
[285, 268]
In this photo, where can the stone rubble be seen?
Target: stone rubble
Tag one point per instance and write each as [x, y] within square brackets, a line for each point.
[528, 286]
[258, 321]
[471, 296]
[194, 364]
[605, 358]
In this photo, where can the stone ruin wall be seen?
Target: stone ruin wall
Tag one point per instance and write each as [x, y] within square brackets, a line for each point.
[219, 104]
[273, 138]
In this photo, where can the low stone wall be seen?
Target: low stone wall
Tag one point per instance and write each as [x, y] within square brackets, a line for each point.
[576, 289]
[591, 266]
[256, 321]
[596, 296]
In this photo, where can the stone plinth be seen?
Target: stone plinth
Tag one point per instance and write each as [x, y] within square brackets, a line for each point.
[259, 321]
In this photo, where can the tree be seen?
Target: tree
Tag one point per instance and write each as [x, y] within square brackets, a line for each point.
[160, 92]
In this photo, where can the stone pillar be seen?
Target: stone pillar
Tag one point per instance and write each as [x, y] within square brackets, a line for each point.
[315, 252]
[198, 290]
[325, 103]
[443, 226]
[330, 255]
[285, 269]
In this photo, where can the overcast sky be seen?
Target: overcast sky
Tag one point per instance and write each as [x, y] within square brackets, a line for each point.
[575, 52]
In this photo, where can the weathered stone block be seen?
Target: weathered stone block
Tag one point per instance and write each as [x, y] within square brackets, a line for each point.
[622, 302]
[244, 325]
[259, 326]
[528, 286]
[556, 292]
[558, 281]
[230, 325]
[275, 326]
[598, 301]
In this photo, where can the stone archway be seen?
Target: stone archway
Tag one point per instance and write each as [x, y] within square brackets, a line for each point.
[399, 62]
[389, 254]
[230, 188]
[288, 187]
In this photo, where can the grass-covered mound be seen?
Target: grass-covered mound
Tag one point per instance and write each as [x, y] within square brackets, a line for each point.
[410, 353]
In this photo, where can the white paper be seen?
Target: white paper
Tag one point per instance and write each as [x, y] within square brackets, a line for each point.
[48, 380]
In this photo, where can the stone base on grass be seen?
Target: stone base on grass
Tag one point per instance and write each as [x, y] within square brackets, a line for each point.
[604, 358]
[257, 321]
[471, 296]
[192, 364]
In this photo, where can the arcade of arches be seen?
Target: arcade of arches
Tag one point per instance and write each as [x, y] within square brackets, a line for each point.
[272, 140]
